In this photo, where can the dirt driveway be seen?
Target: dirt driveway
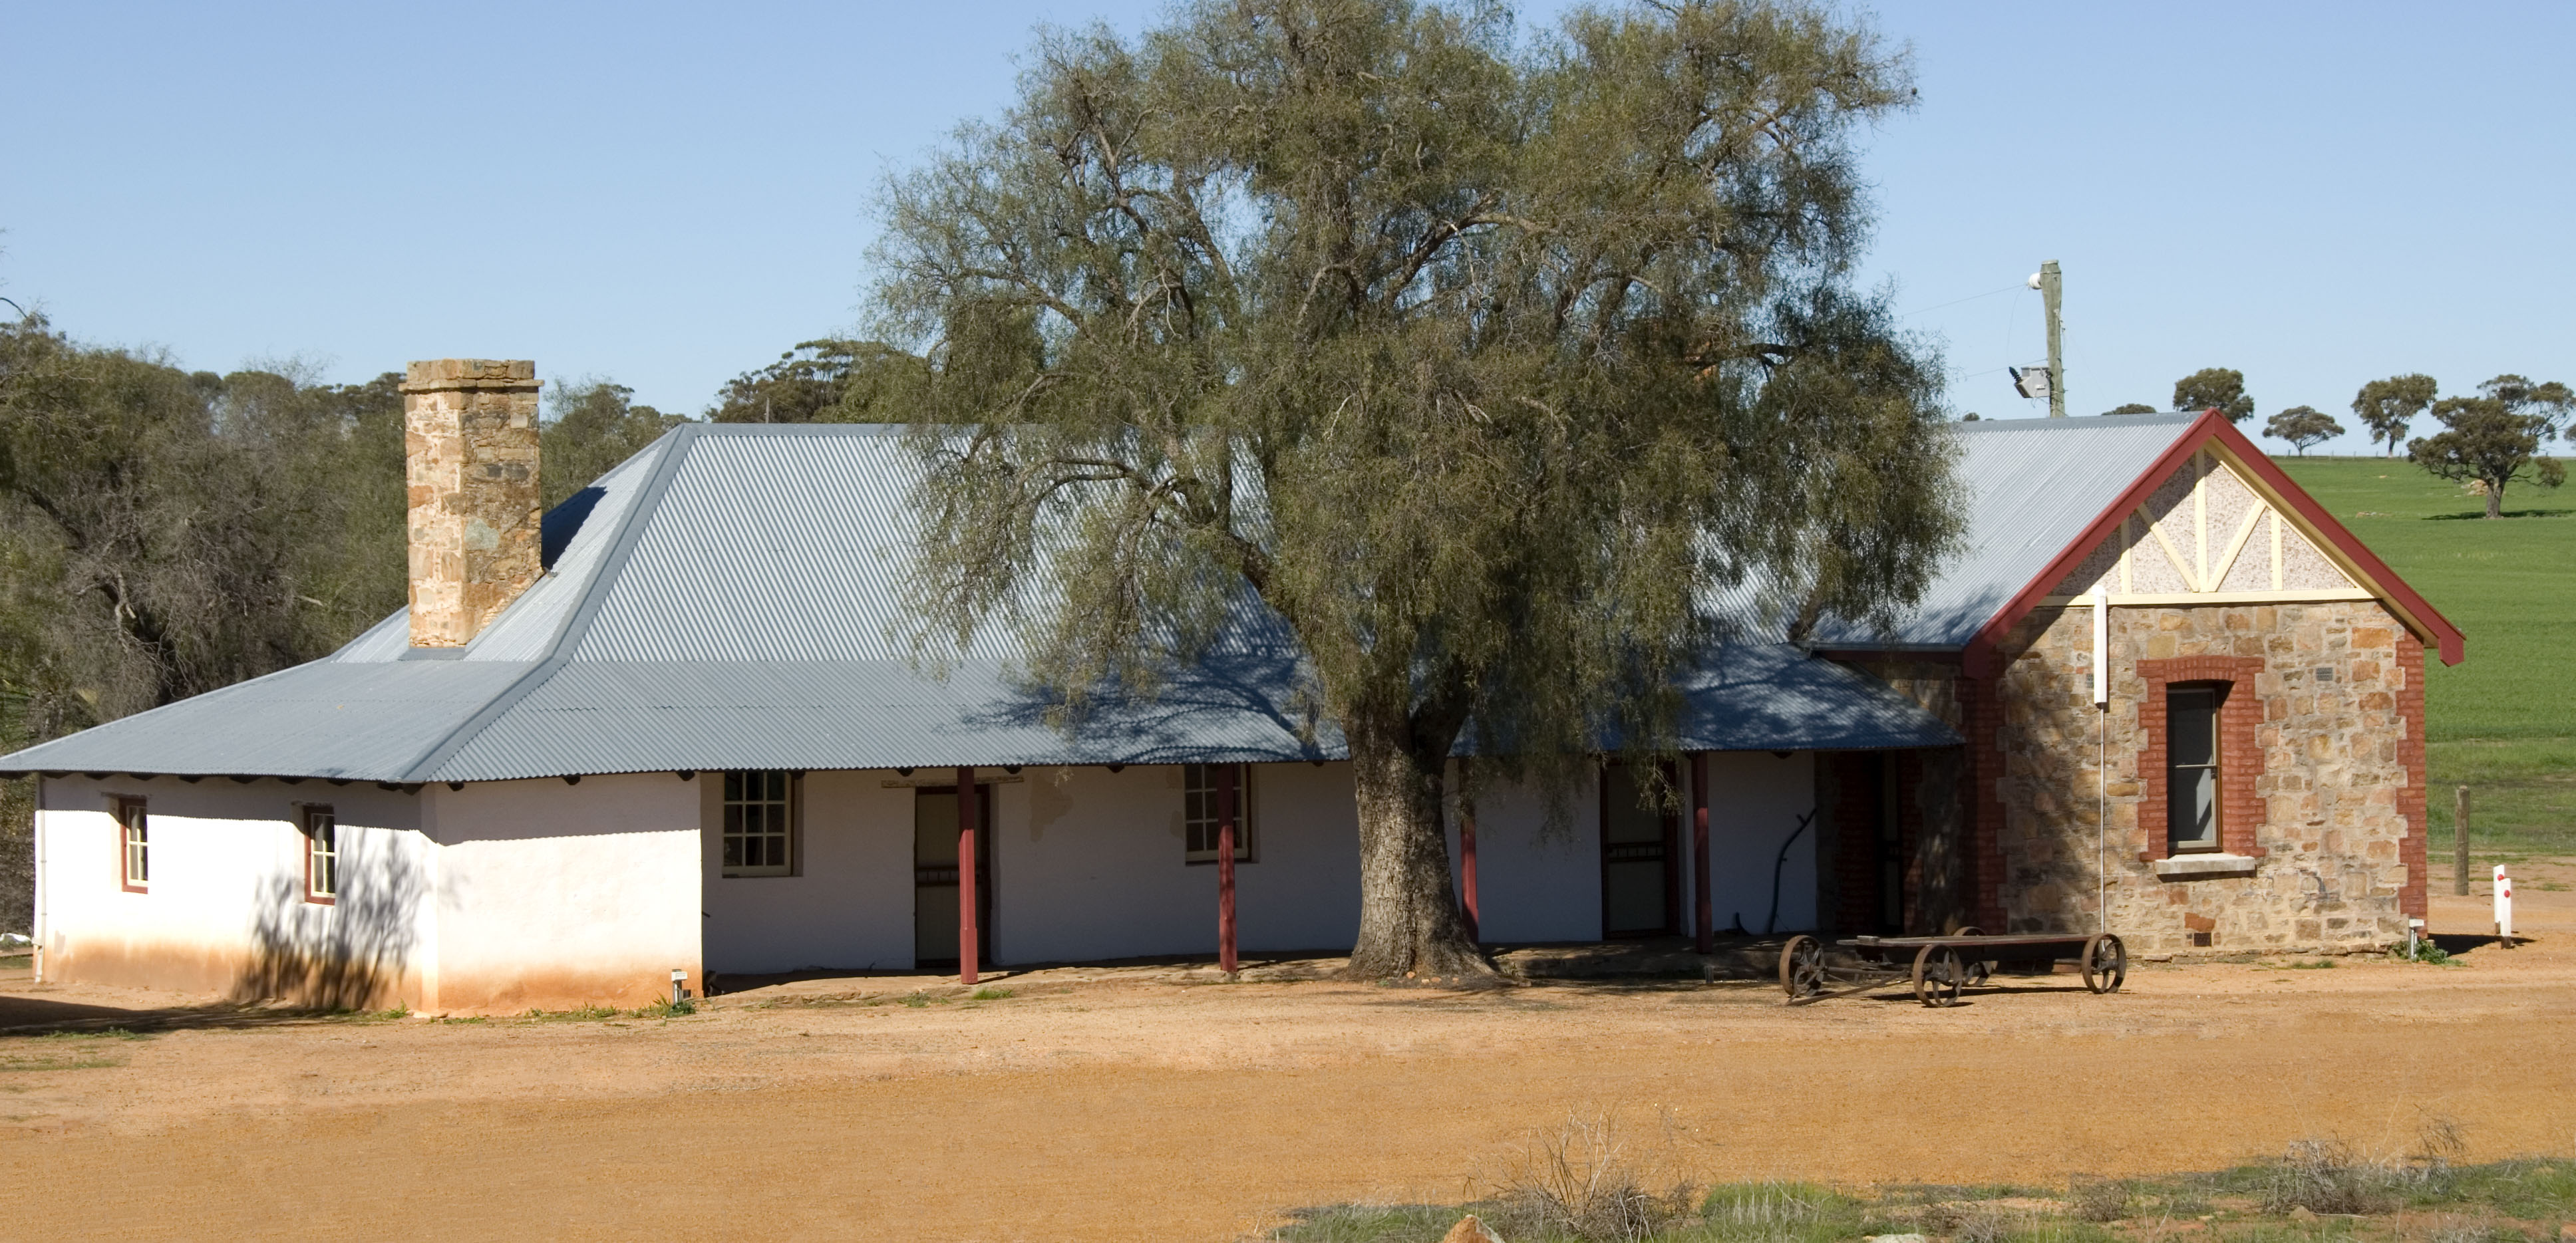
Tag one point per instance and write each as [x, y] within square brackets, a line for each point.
[1094, 1104]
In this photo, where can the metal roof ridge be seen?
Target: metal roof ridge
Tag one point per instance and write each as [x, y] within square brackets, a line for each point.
[2162, 418]
[630, 531]
[797, 429]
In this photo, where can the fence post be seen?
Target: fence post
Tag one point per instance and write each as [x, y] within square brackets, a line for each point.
[2460, 830]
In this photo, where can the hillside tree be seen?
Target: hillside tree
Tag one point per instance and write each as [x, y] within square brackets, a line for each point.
[590, 426]
[2215, 388]
[1477, 362]
[2388, 407]
[2303, 426]
[825, 381]
[2495, 437]
[2133, 407]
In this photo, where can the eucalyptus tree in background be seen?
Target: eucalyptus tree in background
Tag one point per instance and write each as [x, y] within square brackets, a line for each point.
[2495, 437]
[2215, 388]
[2388, 406]
[1477, 361]
[2303, 426]
[590, 426]
[825, 381]
[2133, 407]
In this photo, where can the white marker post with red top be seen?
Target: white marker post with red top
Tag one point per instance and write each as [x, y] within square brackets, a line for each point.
[2503, 905]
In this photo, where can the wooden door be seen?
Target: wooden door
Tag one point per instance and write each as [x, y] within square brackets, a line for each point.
[934, 876]
[1640, 876]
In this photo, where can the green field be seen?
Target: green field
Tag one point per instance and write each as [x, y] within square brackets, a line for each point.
[2504, 722]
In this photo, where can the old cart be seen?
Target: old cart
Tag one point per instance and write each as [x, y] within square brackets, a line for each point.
[1939, 967]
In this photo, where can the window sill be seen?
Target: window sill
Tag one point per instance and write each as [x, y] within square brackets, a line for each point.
[2196, 866]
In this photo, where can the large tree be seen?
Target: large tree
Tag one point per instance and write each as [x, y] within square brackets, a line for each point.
[2495, 437]
[2387, 406]
[2215, 388]
[2303, 426]
[1478, 362]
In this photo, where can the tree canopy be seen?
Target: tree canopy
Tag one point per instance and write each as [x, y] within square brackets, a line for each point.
[2303, 426]
[590, 426]
[825, 381]
[1478, 361]
[2388, 406]
[2495, 437]
[2215, 388]
[165, 532]
[2133, 407]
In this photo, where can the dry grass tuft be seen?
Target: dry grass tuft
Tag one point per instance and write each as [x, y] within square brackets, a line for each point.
[1582, 1182]
[2097, 1200]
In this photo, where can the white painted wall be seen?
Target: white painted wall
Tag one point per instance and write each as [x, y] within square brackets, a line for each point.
[552, 894]
[506, 895]
[1538, 884]
[227, 882]
[1754, 803]
[1090, 865]
[849, 906]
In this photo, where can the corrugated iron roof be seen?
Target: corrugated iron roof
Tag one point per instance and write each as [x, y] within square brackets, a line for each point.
[2031, 486]
[731, 597]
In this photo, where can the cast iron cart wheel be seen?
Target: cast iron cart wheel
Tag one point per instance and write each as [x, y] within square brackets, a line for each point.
[1937, 976]
[1802, 966]
[2105, 962]
[1980, 970]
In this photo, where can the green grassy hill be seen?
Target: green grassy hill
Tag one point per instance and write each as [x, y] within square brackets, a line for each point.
[2503, 722]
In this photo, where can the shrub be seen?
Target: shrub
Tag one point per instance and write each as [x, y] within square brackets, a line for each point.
[2323, 1176]
[1982, 1224]
[1581, 1183]
[2097, 1200]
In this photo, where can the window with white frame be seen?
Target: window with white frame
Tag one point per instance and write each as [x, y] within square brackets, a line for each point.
[134, 836]
[321, 855]
[1199, 811]
[760, 823]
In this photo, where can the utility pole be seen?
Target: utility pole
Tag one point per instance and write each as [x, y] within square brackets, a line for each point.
[2048, 292]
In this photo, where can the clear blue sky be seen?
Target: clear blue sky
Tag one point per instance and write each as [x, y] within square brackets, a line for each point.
[668, 195]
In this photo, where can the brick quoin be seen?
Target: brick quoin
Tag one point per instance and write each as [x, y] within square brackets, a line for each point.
[2240, 761]
[2415, 850]
[1980, 703]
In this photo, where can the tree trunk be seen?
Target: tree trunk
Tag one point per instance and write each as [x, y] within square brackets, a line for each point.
[2495, 499]
[1409, 920]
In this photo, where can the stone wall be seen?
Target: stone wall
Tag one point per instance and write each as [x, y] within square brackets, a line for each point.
[2333, 858]
[470, 458]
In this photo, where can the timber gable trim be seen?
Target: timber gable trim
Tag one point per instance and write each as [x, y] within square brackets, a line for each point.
[2212, 433]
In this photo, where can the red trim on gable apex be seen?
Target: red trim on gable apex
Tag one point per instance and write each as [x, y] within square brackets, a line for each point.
[1979, 658]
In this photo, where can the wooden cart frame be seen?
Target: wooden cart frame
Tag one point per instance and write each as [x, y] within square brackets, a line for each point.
[1941, 967]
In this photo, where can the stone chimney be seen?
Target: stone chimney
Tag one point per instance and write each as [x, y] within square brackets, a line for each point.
[470, 455]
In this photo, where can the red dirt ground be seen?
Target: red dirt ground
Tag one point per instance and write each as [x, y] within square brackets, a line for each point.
[1145, 1104]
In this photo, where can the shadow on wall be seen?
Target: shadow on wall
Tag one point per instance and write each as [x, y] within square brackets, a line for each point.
[349, 955]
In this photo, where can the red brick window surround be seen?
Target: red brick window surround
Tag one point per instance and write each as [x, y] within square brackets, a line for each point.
[2240, 762]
